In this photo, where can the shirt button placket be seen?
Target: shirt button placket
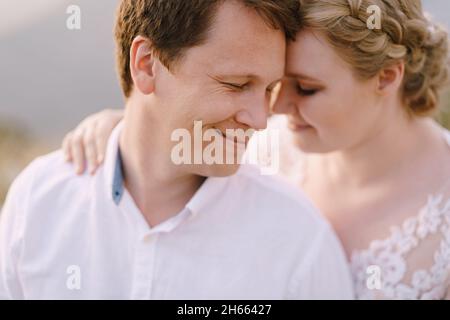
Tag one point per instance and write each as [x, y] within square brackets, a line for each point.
[144, 268]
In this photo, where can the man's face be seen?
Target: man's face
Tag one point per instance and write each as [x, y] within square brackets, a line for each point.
[226, 82]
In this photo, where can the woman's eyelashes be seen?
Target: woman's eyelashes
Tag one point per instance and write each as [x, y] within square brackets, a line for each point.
[306, 91]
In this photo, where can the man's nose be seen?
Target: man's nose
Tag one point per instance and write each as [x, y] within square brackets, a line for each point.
[255, 114]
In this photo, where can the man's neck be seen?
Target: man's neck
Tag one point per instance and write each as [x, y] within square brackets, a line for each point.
[159, 188]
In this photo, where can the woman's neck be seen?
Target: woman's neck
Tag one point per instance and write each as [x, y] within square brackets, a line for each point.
[395, 149]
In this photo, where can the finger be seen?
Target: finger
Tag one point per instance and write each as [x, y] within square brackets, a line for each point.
[101, 141]
[66, 147]
[76, 148]
[90, 147]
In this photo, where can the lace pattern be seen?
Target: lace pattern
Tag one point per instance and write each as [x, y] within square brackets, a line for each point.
[389, 256]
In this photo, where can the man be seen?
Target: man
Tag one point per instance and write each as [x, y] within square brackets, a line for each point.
[147, 228]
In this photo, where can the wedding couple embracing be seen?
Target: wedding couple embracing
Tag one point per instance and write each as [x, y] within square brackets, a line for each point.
[360, 208]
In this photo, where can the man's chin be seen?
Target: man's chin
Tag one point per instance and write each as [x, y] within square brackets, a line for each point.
[218, 170]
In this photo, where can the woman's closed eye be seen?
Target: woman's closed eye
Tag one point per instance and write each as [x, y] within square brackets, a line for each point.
[306, 91]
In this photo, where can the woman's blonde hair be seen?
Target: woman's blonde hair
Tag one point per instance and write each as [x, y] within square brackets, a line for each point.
[405, 34]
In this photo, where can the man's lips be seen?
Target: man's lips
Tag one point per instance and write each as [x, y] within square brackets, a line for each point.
[231, 138]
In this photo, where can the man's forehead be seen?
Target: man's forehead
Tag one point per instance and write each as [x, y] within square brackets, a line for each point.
[242, 70]
[246, 56]
[229, 60]
[238, 30]
[240, 42]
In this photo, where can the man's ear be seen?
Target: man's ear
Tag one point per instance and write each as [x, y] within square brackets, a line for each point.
[390, 78]
[142, 65]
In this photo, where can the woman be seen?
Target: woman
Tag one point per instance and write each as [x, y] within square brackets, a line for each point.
[358, 105]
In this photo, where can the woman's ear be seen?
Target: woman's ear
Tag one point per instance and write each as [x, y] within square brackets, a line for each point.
[142, 65]
[390, 78]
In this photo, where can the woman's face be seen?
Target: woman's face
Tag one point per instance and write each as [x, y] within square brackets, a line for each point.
[329, 109]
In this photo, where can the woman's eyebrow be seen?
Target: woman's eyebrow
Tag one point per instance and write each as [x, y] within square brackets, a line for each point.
[301, 76]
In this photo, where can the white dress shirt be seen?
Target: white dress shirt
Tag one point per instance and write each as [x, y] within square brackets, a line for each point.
[247, 236]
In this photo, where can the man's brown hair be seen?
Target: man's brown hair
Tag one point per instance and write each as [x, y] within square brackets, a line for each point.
[176, 25]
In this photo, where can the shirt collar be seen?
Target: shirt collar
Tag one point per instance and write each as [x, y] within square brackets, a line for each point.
[113, 167]
[206, 196]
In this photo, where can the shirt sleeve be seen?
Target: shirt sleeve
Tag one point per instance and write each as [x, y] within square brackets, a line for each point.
[325, 273]
[11, 235]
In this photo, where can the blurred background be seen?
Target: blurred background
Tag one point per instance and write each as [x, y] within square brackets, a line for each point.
[52, 77]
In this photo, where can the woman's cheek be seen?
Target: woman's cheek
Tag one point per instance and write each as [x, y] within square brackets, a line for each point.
[317, 114]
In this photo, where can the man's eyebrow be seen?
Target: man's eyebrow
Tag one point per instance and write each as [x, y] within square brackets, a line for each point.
[236, 77]
[231, 77]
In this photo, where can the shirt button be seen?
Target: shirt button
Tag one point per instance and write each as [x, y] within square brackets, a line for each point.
[147, 239]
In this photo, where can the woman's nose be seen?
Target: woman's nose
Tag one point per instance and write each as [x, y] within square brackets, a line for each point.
[284, 102]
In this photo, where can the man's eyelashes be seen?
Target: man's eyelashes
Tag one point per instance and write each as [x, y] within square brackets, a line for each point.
[235, 86]
[242, 87]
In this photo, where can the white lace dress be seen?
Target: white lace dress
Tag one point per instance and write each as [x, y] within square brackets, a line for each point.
[382, 271]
